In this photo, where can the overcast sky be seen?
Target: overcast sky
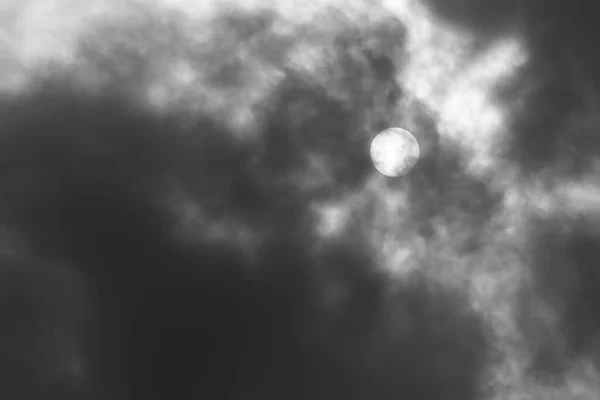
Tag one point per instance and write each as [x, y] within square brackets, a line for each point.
[450, 70]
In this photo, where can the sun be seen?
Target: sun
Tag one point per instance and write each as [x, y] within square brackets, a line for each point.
[394, 152]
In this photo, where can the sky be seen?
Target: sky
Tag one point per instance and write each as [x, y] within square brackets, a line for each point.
[453, 71]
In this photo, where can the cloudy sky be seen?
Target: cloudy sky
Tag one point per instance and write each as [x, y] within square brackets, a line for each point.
[512, 89]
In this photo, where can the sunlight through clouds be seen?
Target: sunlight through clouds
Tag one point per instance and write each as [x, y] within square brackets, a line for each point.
[445, 74]
[468, 112]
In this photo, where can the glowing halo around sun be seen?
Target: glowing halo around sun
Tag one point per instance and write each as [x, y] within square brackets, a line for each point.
[394, 152]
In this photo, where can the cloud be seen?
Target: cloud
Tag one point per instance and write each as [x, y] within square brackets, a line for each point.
[550, 105]
[551, 101]
[94, 178]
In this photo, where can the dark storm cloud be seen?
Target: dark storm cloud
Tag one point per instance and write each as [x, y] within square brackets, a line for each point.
[87, 179]
[441, 189]
[564, 252]
[487, 18]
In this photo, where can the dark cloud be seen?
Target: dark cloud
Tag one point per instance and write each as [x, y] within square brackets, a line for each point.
[487, 18]
[442, 189]
[41, 315]
[90, 181]
[560, 315]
